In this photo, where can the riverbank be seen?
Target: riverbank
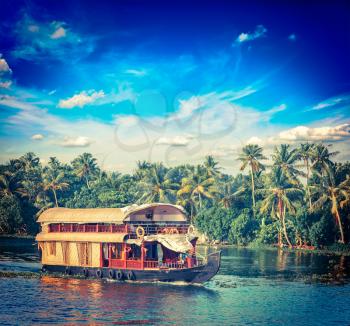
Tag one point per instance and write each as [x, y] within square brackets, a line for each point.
[17, 236]
[339, 251]
[12, 274]
[335, 249]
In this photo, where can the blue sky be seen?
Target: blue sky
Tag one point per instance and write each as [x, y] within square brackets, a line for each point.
[173, 82]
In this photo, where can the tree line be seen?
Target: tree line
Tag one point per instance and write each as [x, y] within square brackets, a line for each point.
[297, 197]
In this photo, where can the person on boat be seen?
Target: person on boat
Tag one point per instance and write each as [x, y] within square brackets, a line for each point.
[144, 249]
[114, 251]
[128, 252]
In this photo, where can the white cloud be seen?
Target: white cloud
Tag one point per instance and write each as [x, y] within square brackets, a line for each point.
[124, 93]
[79, 141]
[175, 141]
[189, 106]
[136, 72]
[260, 31]
[267, 115]
[5, 73]
[81, 99]
[343, 100]
[126, 120]
[277, 109]
[217, 124]
[303, 133]
[255, 140]
[224, 151]
[37, 137]
[58, 33]
[4, 67]
[13, 102]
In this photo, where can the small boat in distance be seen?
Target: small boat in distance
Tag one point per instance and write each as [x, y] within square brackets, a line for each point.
[151, 242]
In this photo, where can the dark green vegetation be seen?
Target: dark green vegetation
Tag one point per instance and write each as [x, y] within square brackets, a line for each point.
[299, 197]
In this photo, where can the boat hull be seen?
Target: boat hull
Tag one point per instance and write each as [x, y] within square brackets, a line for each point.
[198, 274]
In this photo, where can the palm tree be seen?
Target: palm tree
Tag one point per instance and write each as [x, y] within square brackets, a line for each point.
[279, 199]
[251, 155]
[54, 163]
[211, 167]
[187, 201]
[54, 182]
[286, 160]
[42, 202]
[305, 154]
[29, 161]
[9, 186]
[141, 169]
[337, 194]
[321, 158]
[85, 167]
[157, 186]
[197, 185]
[226, 192]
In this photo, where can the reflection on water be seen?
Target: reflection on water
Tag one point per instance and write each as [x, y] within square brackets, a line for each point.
[285, 264]
[253, 287]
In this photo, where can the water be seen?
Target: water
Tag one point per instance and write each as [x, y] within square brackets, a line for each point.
[253, 287]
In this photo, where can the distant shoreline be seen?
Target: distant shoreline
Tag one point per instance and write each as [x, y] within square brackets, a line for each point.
[325, 251]
[17, 236]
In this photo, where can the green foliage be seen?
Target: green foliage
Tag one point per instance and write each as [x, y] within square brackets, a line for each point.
[321, 232]
[243, 228]
[308, 206]
[215, 222]
[268, 233]
[10, 214]
[339, 247]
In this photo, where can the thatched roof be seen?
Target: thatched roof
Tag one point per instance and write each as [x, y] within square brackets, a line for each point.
[82, 237]
[107, 215]
[82, 215]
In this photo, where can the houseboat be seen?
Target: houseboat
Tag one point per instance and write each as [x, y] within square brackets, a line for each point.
[152, 242]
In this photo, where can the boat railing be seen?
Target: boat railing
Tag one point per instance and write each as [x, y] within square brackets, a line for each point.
[134, 264]
[161, 229]
[117, 263]
[150, 264]
[70, 227]
[172, 264]
[163, 265]
[153, 264]
[128, 228]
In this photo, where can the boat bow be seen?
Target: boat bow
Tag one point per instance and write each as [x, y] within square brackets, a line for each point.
[210, 269]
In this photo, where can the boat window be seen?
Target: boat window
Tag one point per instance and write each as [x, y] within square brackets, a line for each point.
[151, 251]
[105, 250]
[134, 252]
[149, 214]
[116, 250]
[119, 250]
[105, 254]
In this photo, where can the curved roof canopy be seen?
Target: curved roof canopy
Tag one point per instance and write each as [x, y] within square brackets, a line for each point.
[160, 212]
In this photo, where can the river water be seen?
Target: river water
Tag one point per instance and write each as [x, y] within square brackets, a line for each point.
[253, 287]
